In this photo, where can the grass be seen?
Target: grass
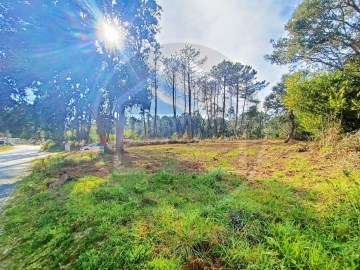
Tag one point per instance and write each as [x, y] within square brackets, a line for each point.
[297, 212]
[6, 148]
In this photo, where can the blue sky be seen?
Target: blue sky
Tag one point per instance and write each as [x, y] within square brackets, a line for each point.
[238, 29]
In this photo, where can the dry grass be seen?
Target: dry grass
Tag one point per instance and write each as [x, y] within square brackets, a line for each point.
[6, 148]
[254, 159]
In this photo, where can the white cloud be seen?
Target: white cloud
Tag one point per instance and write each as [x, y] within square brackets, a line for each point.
[238, 29]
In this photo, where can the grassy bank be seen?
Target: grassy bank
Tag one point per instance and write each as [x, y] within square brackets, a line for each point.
[192, 206]
[6, 148]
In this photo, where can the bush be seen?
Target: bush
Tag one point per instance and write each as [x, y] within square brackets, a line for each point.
[320, 100]
[175, 136]
[185, 137]
[131, 135]
[51, 146]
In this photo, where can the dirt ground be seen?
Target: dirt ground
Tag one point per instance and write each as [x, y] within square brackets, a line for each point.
[250, 158]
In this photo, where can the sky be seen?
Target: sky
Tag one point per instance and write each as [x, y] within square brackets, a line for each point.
[239, 30]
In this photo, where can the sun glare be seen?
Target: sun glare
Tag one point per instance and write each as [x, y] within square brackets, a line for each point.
[111, 35]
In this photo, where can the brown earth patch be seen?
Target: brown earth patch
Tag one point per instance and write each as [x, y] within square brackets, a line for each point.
[200, 264]
[80, 170]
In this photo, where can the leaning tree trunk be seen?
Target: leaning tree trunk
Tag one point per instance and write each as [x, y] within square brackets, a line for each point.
[292, 128]
[120, 127]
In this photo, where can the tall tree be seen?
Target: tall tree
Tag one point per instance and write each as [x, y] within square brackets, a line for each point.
[222, 72]
[321, 32]
[250, 87]
[275, 103]
[192, 61]
[155, 73]
[171, 72]
[237, 72]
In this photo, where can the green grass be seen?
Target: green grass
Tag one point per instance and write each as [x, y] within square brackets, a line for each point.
[177, 220]
[6, 148]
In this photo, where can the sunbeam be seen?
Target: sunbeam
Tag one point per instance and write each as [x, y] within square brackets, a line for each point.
[111, 35]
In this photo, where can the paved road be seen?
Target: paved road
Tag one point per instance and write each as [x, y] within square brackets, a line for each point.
[14, 164]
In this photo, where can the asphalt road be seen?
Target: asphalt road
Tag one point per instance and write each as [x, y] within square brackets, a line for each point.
[14, 164]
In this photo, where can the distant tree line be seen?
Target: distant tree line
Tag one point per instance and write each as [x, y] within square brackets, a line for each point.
[215, 103]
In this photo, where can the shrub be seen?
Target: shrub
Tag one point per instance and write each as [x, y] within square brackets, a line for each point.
[131, 135]
[175, 136]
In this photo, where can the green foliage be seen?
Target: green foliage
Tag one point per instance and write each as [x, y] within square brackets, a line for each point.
[320, 100]
[320, 32]
[175, 136]
[51, 146]
[87, 183]
[70, 135]
[131, 134]
[93, 136]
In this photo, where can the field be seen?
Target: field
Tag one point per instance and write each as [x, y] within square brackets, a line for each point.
[205, 205]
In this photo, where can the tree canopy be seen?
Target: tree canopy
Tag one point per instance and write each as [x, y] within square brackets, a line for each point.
[321, 33]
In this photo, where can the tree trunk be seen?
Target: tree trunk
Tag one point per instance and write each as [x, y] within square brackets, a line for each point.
[144, 122]
[223, 115]
[189, 93]
[88, 129]
[292, 128]
[148, 124]
[208, 116]
[185, 100]
[174, 102]
[194, 100]
[77, 131]
[217, 113]
[243, 110]
[100, 130]
[237, 107]
[155, 119]
[120, 127]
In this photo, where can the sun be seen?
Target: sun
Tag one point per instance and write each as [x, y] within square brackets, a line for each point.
[111, 35]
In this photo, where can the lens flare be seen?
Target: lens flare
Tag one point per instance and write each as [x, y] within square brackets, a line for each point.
[111, 35]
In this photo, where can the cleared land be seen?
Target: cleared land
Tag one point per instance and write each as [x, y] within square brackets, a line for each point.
[206, 205]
